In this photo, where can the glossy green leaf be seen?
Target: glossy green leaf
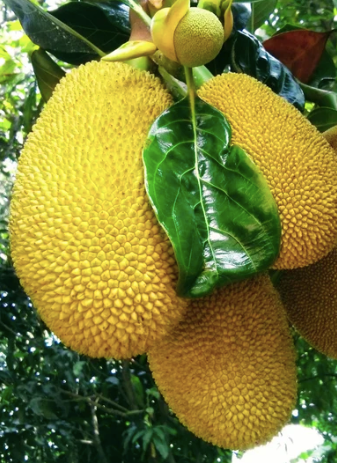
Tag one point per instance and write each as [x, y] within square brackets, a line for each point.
[249, 56]
[241, 15]
[323, 118]
[325, 70]
[47, 72]
[319, 96]
[106, 25]
[49, 32]
[245, 53]
[210, 198]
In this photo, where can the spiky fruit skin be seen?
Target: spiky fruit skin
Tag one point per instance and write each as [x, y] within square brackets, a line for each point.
[297, 162]
[310, 297]
[198, 37]
[84, 239]
[228, 368]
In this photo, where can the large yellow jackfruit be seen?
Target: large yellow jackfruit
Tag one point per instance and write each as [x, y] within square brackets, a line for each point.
[297, 162]
[228, 368]
[84, 239]
[310, 297]
[310, 294]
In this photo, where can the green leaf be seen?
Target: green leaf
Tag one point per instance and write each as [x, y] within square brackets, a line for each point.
[139, 390]
[147, 438]
[210, 198]
[261, 12]
[49, 32]
[326, 69]
[42, 407]
[323, 98]
[47, 72]
[161, 446]
[105, 25]
[78, 368]
[7, 70]
[249, 56]
[241, 15]
[29, 109]
[323, 118]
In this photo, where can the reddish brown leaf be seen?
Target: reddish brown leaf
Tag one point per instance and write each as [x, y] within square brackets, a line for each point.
[299, 50]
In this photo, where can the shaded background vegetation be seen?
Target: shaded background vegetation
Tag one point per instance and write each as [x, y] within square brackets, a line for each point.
[58, 406]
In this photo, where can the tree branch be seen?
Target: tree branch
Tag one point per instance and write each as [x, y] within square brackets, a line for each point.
[128, 385]
[93, 400]
[328, 375]
[97, 439]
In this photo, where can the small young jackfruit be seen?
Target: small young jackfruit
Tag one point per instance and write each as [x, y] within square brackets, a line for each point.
[84, 240]
[309, 296]
[297, 162]
[198, 37]
[189, 36]
[228, 368]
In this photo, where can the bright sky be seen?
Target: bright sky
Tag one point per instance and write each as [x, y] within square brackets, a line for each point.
[287, 445]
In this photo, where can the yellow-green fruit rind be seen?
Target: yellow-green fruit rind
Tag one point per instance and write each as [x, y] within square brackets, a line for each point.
[228, 368]
[297, 162]
[310, 297]
[84, 240]
[198, 38]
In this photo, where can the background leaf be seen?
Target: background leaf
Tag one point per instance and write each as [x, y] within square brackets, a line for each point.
[106, 25]
[299, 50]
[324, 70]
[211, 199]
[249, 56]
[241, 15]
[323, 118]
[47, 72]
[48, 32]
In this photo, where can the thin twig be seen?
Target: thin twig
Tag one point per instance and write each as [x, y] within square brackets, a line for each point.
[97, 439]
[93, 400]
[112, 402]
[329, 375]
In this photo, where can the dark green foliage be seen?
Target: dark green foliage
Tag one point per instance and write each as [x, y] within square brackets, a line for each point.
[106, 25]
[47, 72]
[76, 32]
[57, 406]
[245, 53]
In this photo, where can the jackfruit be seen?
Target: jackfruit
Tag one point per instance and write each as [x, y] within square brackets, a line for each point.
[297, 162]
[310, 297]
[228, 368]
[198, 38]
[84, 240]
[189, 36]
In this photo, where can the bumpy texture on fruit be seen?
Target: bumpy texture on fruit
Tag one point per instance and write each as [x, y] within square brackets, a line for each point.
[297, 162]
[310, 298]
[85, 242]
[228, 368]
[198, 37]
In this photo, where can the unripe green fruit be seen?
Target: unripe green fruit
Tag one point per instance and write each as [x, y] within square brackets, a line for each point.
[198, 38]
